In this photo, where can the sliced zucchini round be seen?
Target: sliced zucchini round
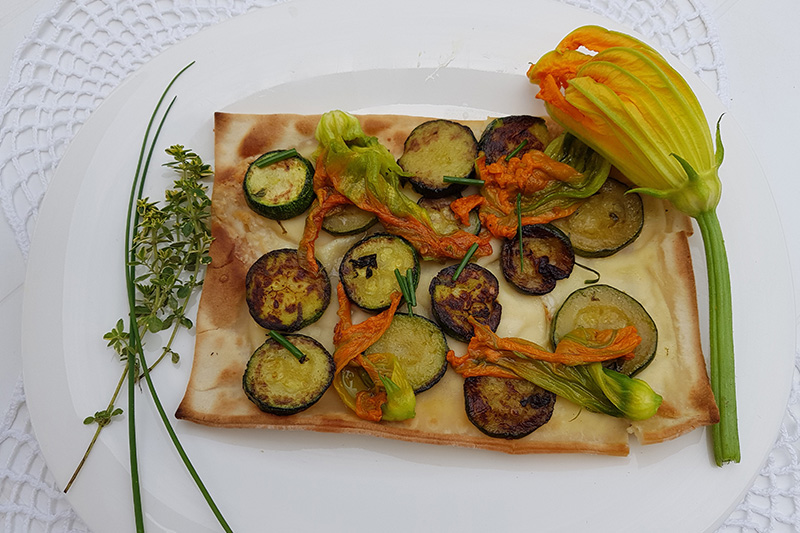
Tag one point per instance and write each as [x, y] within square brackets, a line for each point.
[283, 296]
[278, 383]
[503, 135]
[367, 269]
[436, 149]
[279, 190]
[547, 257]
[606, 222]
[443, 219]
[507, 408]
[473, 294]
[420, 347]
[348, 219]
[605, 307]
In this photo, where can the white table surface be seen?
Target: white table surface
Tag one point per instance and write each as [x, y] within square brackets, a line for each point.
[762, 58]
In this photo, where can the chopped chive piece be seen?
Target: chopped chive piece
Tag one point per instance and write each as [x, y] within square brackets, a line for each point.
[283, 341]
[516, 150]
[407, 288]
[519, 231]
[463, 181]
[410, 284]
[465, 260]
[268, 159]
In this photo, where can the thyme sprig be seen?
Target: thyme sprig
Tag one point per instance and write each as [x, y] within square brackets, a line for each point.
[171, 247]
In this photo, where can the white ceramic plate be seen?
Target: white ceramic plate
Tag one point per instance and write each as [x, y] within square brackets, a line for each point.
[455, 59]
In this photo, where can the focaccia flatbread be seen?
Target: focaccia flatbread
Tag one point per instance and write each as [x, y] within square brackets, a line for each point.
[656, 270]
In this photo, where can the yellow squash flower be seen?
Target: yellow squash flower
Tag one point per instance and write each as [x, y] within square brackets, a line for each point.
[623, 99]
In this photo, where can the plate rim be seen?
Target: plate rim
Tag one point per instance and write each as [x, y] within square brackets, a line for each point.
[34, 279]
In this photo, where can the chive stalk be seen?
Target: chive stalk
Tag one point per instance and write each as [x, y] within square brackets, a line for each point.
[270, 159]
[464, 261]
[519, 232]
[136, 346]
[283, 341]
[463, 181]
[517, 149]
[406, 283]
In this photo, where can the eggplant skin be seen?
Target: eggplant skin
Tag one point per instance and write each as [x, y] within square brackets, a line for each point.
[547, 257]
[507, 408]
[283, 296]
[504, 134]
[474, 294]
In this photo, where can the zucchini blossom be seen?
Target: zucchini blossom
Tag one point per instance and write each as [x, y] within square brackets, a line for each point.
[373, 386]
[573, 370]
[624, 100]
[355, 168]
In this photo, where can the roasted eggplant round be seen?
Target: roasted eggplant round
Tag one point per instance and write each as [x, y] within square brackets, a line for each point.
[503, 135]
[435, 149]
[367, 269]
[282, 295]
[605, 307]
[546, 257]
[606, 222]
[507, 408]
[279, 190]
[420, 347]
[278, 383]
[472, 295]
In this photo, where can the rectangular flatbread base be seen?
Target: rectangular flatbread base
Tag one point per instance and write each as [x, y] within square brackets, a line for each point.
[656, 270]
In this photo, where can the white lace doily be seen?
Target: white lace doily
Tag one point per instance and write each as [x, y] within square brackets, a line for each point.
[76, 54]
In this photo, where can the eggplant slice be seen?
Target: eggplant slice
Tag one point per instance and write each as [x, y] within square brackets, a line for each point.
[507, 408]
[547, 257]
[503, 135]
[282, 295]
[473, 294]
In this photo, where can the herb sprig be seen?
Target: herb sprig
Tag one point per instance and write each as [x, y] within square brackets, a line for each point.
[165, 250]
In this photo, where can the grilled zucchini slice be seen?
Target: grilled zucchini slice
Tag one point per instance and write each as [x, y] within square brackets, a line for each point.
[436, 149]
[420, 347]
[348, 219]
[278, 383]
[605, 307]
[367, 269]
[606, 222]
[443, 219]
[507, 408]
[279, 190]
[547, 257]
[283, 296]
[472, 295]
[503, 135]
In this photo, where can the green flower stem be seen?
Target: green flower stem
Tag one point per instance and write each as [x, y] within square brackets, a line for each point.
[723, 372]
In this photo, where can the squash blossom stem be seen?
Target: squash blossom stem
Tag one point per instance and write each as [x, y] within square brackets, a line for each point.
[627, 103]
[725, 433]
